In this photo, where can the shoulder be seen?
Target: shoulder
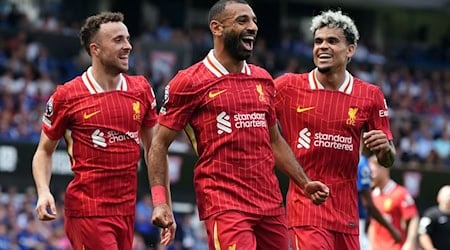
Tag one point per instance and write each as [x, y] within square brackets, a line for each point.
[69, 89]
[196, 73]
[136, 79]
[258, 71]
[432, 212]
[287, 80]
[401, 189]
[196, 70]
[137, 82]
[367, 87]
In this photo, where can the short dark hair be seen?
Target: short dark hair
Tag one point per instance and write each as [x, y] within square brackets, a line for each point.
[92, 25]
[219, 7]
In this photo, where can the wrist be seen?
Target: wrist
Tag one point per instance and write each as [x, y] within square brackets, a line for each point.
[159, 195]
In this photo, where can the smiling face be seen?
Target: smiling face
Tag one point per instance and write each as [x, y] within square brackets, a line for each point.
[239, 30]
[331, 50]
[112, 47]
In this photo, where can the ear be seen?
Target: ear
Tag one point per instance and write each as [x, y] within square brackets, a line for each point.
[93, 47]
[351, 49]
[216, 28]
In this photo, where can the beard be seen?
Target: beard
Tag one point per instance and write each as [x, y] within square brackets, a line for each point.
[324, 69]
[232, 44]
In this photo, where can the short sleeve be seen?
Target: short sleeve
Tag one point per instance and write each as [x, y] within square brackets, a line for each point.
[54, 120]
[380, 115]
[180, 101]
[151, 116]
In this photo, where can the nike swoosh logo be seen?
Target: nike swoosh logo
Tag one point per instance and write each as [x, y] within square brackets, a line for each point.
[213, 94]
[87, 116]
[300, 109]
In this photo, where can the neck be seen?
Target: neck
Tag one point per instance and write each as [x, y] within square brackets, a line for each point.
[444, 208]
[108, 81]
[331, 79]
[383, 183]
[232, 65]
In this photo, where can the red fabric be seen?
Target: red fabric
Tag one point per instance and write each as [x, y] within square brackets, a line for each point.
[397, 206]
[246, 231]
[227, 120]
[105, 180]
[102, 233]
[319, 238]
[323, 128]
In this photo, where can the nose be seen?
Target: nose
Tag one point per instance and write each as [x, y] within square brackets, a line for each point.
[323, 45]
[127, 45]
[253, 27]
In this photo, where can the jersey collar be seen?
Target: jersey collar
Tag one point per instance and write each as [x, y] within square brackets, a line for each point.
[346, 86]
[213, 65]
[388, 188]
[94, 87]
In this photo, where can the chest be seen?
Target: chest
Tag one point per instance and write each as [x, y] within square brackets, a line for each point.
[390, 203]
[234, 96]
[331, 109]
[120, 109]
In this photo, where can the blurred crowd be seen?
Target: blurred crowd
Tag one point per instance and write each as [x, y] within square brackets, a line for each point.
[21, 230]
[418, 97]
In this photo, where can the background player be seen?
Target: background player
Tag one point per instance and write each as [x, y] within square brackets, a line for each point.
[367, 208]
[397, 206]
[434, 226]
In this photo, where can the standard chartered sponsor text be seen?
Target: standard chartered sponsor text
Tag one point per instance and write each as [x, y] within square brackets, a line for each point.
[333, 141]
[115, 136]
[253, 120]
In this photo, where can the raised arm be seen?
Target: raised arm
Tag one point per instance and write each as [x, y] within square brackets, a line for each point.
[42, 171]
[288, 164]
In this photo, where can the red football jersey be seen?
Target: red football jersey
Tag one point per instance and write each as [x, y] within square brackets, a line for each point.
[226, 116]
[102, 132]
[323, 128]
[396, 205]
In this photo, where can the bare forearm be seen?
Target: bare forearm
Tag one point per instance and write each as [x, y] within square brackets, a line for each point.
[157, 167]
[376, 215]
[413, 225]
[41, 168]
[425, 242]
[288, 164]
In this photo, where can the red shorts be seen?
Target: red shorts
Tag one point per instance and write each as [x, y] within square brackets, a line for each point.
[100, 233]
[240, 230]
[317, 238]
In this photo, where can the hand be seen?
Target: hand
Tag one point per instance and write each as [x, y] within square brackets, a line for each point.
[376, 141]
[317, 192]
[168, 234]
[162, 216]
[45, 207]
